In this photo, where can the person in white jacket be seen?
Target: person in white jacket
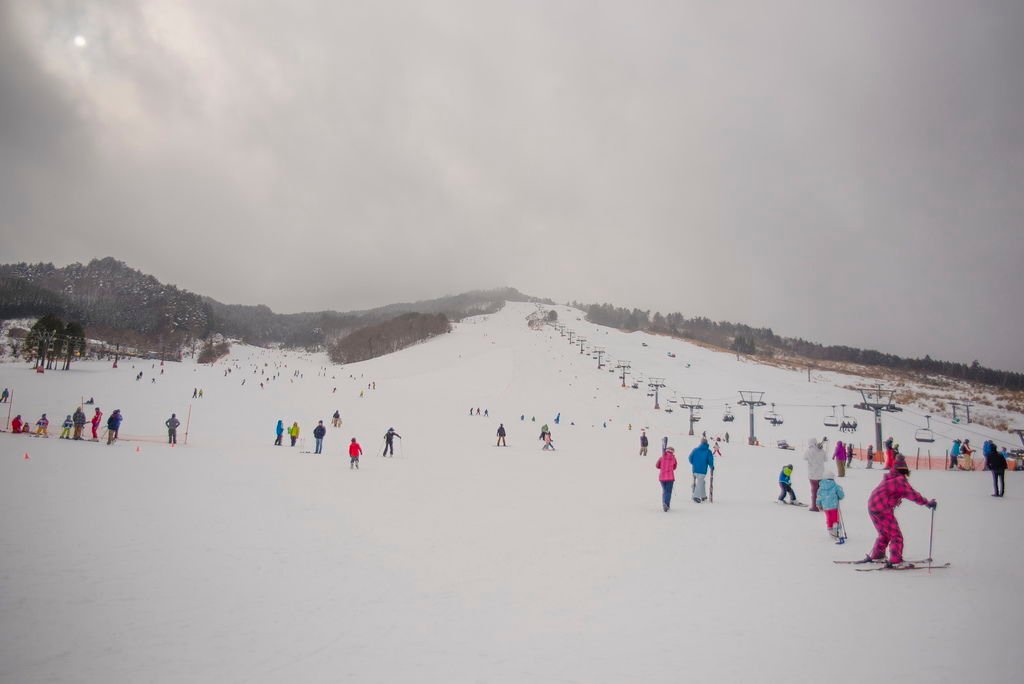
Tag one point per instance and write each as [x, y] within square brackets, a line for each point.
[815, 457]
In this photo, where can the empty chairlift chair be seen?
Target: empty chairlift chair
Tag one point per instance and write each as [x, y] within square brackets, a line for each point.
[925, 434]
[833, 420]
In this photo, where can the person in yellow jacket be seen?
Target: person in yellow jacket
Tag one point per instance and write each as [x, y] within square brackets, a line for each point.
[293, 432]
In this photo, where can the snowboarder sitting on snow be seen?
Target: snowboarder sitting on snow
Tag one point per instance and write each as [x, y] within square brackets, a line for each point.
[389, 441]
[785, 484]
[829, 494]
[882, 504]
[501, 435]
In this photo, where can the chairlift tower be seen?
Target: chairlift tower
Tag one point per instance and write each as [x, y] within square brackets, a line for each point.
[877, 399]
[751, 400]
[623, 366]
[561, 330]
[691, 403]
[571, 334]
[966, 406]
[1019, 432]
[581, 340]
[656, 384]
[600, 351]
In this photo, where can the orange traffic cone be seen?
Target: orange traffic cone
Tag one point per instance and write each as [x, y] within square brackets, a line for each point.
[26, 457]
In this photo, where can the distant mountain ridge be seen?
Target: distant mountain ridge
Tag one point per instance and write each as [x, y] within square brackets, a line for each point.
[108, 294]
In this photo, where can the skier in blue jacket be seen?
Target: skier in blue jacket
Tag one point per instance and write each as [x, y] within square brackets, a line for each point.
[701, 459]
[279, 430]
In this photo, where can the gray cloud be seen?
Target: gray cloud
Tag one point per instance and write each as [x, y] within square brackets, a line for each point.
[847, 173]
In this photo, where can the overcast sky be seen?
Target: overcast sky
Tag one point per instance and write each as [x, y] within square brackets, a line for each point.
[847, 172]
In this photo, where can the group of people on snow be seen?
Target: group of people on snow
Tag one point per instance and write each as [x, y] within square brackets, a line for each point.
[702, 461]
[73, 425]
[355, 450]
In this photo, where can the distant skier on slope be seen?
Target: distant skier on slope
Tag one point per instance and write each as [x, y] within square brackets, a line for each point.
[643, 442]
[882, 504]
[501, 435]
[389, 442]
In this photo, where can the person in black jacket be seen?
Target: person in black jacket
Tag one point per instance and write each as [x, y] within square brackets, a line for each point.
[172, 424]
[501, 435]
[389, 444]
[318, 434]
[643, 442]
[997, 464]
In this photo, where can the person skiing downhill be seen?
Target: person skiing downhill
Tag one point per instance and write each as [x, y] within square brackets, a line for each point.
[815, 457]
[666, 466]
[501, 435]
[701, 459]
[354, 451]
[389, 442]
[882, 504]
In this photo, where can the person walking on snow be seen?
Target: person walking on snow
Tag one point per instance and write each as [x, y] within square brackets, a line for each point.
[501, 435]
[549, 444]
[666, 466]
[354, 451]
[279, 431]
[336, 419]
[829, 494]
[172, 424]
[389, 441]
[996, 462]
[318, 434]
[882, 504]
[839, 455]
[701, 459]
[815, 457]
[293, 432]
[785, 484]
[643, 442]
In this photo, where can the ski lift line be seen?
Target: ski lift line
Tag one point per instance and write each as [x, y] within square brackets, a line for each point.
[957, 427]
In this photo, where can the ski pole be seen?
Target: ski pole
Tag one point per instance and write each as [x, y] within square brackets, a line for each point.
[931, 536]
[711, 487]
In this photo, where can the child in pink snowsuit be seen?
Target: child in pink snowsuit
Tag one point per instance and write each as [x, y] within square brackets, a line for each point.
[882, 504]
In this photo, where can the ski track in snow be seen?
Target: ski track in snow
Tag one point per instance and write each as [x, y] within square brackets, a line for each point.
[230, 559]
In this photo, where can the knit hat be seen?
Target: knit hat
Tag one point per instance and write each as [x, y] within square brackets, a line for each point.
[900, 463]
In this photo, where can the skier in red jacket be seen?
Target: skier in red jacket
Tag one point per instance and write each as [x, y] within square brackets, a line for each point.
[354, 451]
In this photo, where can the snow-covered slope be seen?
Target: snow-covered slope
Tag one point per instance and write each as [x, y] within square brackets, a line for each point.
[233, 560]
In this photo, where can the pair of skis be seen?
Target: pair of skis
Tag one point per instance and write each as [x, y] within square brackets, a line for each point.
[883, 565]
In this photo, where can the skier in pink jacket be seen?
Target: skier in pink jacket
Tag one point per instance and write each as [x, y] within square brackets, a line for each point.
[882, 504]
[666, 466]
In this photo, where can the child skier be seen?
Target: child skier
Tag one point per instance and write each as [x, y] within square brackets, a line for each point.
[829, 494]
[65, 428]
[43, 426]
[666, 466]
[882, 504]
[786, 484]
[354, 450]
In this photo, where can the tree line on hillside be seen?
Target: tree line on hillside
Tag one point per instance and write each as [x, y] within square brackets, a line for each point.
[745, 339]
[388, 337]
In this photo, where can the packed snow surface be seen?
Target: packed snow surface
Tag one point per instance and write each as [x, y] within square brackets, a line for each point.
[230, 559]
